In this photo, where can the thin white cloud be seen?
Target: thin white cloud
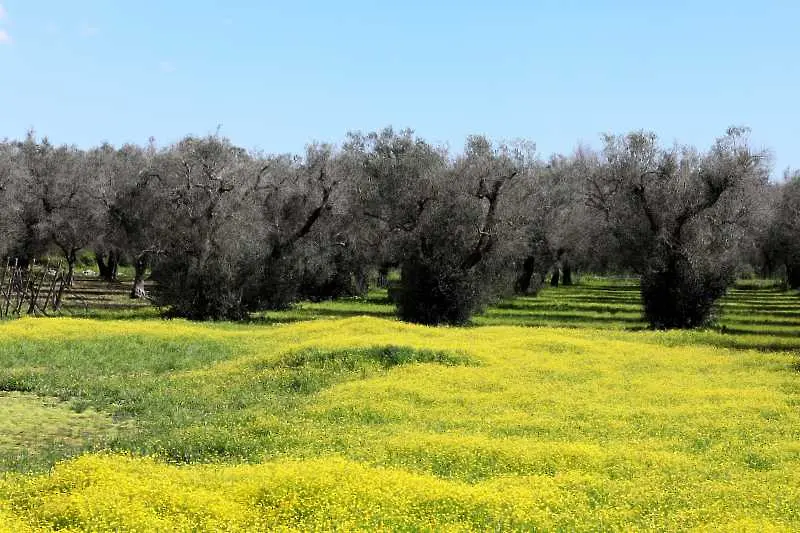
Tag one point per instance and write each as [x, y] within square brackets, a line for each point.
[5, 38]
[87, 30]
[166, 66]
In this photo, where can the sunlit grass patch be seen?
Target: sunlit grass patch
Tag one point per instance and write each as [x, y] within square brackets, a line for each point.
[34, 430]
[376, 304]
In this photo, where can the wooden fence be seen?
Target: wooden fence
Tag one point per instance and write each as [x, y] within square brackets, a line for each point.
[33, 289]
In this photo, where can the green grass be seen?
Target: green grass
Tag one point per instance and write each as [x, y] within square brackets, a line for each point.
[582, 417]
[753, 307]
[146, 384]
[35, 431]
[148, 381]
[754, 314]
[129, 377]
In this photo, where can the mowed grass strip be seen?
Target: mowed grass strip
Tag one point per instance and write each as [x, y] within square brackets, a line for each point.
[367, 423]
[766, 316]
[758, 309]
[761, 309]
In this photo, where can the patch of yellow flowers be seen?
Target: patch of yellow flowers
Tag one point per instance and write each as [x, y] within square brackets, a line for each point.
[101, 493]
[555, 429]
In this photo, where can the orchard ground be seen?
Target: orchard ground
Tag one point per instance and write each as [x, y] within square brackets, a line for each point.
[555, 412]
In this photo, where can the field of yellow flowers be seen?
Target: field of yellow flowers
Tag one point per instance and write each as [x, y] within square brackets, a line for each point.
[366, 423]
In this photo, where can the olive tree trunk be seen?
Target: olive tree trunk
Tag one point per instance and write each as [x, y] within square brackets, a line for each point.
[140, 269]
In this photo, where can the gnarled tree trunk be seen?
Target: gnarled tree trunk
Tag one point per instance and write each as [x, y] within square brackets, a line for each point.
[523, 283]
[107, 268]
[555, 278]
[72, 258]
[566, 273]
[140, 269]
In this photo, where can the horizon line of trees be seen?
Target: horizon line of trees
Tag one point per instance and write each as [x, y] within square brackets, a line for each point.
[227, 231]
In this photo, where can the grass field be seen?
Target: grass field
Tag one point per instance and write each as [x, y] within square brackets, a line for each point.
[335, 415]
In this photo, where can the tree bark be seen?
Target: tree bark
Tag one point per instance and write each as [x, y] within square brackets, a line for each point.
[523, 284]
[102, 267]
[107, 269]
[555, 278]
[140, 268]
[72, 258]
[486, 232]
[566, 273]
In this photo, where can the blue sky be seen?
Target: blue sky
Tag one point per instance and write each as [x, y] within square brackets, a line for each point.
[277, 75]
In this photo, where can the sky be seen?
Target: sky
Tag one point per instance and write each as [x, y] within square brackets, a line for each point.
[277, 75]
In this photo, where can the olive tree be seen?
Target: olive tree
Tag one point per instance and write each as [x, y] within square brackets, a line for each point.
[560, 228]
[207, 239]
[299, 201]
[245, 229]
[448, 222]
[10, 223]
[58, 197]
[341, 249]
[138, 212]
[682, 213]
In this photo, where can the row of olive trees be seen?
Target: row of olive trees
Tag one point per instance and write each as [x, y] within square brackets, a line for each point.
[228, 231]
